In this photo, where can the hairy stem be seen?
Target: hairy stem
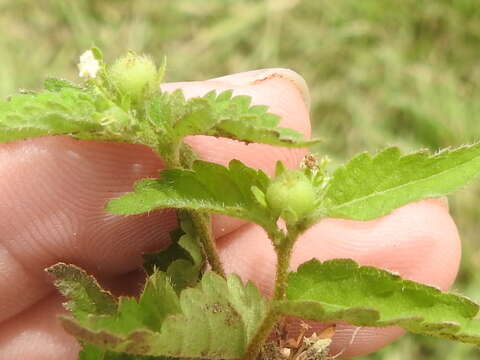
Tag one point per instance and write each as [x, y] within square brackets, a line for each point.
[182, 156]
[202, 224]
[262, 334]
[284, 252]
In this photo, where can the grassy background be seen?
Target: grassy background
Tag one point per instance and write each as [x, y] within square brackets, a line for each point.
[381, 73]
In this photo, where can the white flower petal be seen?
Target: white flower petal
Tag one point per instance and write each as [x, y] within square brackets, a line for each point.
[88, 66]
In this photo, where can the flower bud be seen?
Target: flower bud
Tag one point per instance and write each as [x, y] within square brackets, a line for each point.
[291, 195]
[134, 74]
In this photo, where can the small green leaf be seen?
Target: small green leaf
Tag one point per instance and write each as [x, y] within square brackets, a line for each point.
[368, 186]
[182, 260]
[84, 294]
[55, 84]
[87, 299]
[97, 53]
[207, 186]
[341, 290]
[217, 320]
[64, 112]
[162, 111]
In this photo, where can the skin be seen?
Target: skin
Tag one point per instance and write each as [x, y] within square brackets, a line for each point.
[53, 193]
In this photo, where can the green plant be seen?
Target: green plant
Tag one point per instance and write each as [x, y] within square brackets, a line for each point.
[187, 311]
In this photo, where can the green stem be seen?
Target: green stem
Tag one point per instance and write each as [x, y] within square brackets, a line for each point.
[202, 224]
[182, 156]
[284, 252]
[262, 334]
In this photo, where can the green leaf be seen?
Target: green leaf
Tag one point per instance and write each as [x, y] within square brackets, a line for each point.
[368, 186]
[55, 84]
[223, 115]
[182, 260]
[64, 112]
[341, 290]
[83, 291]
[156, 303]
[217, 320]
[237, 119]
[86, 299]
[208, 187]
[90, 352]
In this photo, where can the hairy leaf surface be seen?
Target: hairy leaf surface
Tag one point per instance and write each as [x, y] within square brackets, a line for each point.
[182, 261]
[55, 84]
[368, 186]
[83, 291]
[236, 118]
[65, 112]
[341, 290]
[216, 320]
[207, 186]
[222, 115]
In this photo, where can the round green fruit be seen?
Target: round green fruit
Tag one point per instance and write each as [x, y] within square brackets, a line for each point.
[291, 192]
[133, 74]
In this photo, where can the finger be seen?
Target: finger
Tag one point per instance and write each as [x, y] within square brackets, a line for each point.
[56, 189]
[419, 241]
[37, 335]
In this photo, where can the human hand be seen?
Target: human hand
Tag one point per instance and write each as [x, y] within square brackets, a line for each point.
[54, 191]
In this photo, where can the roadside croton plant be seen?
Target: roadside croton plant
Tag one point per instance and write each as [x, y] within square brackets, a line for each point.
[190, 306]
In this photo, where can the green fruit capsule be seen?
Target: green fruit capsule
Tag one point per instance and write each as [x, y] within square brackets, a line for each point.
[291, 193]
[134, 74]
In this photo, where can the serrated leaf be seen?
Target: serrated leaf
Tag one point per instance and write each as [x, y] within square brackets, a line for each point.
[225, 115]
[162, 259]
[164, 110]
[55, 84]
[182, 261]
[90, 352]
[368, 186]
[208, 186]
[64, 112]
[217, 320]
[341, 290]
[87, 298]
[156, 303]
[83, 291]
[238, 119]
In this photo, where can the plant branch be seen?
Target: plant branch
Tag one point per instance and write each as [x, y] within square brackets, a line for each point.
[284, 252]
[202, 224]
[182, 156]
[262, 334]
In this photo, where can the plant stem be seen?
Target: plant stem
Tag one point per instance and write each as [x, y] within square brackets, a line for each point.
[262, 334]
[202, 224]
[182, 156]
[284, 252]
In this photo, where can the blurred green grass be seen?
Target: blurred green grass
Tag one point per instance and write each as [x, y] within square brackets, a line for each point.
[380, 72]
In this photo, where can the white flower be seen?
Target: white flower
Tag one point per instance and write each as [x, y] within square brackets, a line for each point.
[88, 65]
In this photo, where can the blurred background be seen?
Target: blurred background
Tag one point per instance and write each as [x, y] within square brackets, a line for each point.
[381, 73]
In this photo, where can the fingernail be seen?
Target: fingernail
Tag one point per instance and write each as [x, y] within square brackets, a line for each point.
[258, 76]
